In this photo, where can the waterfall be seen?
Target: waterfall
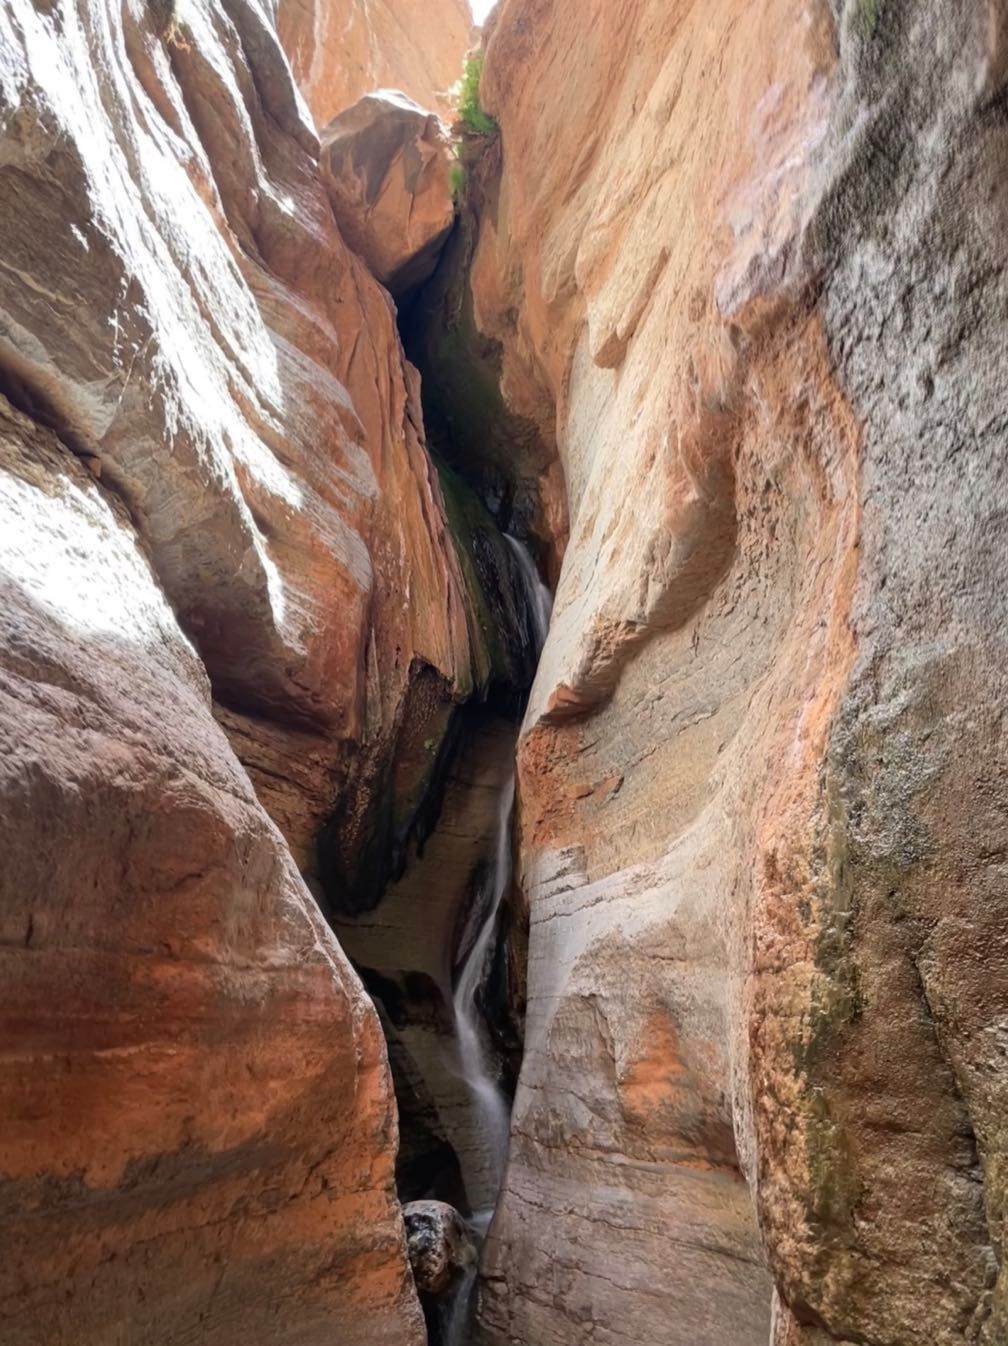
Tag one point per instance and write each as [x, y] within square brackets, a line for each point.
[490, 1104]
[492, 1110]
[539, 597]
[493, 1113]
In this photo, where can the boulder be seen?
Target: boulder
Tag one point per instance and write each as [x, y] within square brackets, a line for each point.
[440, 1245]
[388, 167]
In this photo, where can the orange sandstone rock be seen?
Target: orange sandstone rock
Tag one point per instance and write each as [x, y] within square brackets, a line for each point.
[748, 262]
[388, 167]
[199, 1133]
[198, 1124]
[341, 49]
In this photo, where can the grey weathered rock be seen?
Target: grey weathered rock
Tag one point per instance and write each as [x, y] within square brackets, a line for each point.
[752, 262]
[439, 1243]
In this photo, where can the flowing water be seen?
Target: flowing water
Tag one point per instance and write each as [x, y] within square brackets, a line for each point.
[539, 597]
[493, 1113]
[489, 1102]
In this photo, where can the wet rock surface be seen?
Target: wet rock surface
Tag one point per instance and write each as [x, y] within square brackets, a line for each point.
[439, 1243]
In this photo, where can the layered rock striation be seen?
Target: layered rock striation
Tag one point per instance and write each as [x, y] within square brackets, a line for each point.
[748, 267]
[224, 547]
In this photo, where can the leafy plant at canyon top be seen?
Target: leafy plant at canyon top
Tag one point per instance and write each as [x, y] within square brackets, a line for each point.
[471, 114]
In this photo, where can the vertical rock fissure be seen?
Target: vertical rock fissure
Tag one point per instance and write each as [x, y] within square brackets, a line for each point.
[441, 954]
[414, 863]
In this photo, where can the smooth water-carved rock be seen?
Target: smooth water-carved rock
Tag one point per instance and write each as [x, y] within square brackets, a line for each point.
[192, 321]
[755, 277]
[439, 1243]
[388, 167]
[199, 1129]
[342, 49]
[201, 1133]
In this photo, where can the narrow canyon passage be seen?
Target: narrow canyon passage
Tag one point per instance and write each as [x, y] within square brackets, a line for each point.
[503, 695]
[443, 955]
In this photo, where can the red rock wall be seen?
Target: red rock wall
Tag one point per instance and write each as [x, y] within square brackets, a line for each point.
[341, 49]
[215, 482]
[753, 258]
[199, 1131]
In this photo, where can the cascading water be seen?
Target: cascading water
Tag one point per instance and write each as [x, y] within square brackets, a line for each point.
[489, 1103]
[539, 597]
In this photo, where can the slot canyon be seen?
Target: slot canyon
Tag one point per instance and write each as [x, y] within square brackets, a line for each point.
[503, 672]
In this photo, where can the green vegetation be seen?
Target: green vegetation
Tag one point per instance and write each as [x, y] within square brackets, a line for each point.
[457, 178]
[471, 114]
[867, 16]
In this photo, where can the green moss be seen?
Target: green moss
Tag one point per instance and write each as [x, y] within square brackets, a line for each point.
[457, 178]
[467, 518]
[471, 114]
[866, 16]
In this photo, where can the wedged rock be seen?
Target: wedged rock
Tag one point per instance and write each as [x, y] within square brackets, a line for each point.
[342, 49]
[750, 263]
[439, 1243]
[388, 166]
[199, 1129]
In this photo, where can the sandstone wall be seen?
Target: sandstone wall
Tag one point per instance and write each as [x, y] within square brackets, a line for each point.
[341, 49]
[199, 1131]
[215, 482]
[753, 258]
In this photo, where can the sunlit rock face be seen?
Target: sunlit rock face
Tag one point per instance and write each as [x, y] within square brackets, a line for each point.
[751, 261]
[341, 49]
[216, 483]
[388, 166]
[199, 1131]
[192, 320]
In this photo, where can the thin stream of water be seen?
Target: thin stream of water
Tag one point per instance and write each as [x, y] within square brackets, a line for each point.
[539, 597]
[491, 1107]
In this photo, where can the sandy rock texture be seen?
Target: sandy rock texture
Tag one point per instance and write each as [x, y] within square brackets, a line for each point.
[388, 167]
[198, 1114]
[199, 1130]
[342, 49]
[747, 263]
[192, 321]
